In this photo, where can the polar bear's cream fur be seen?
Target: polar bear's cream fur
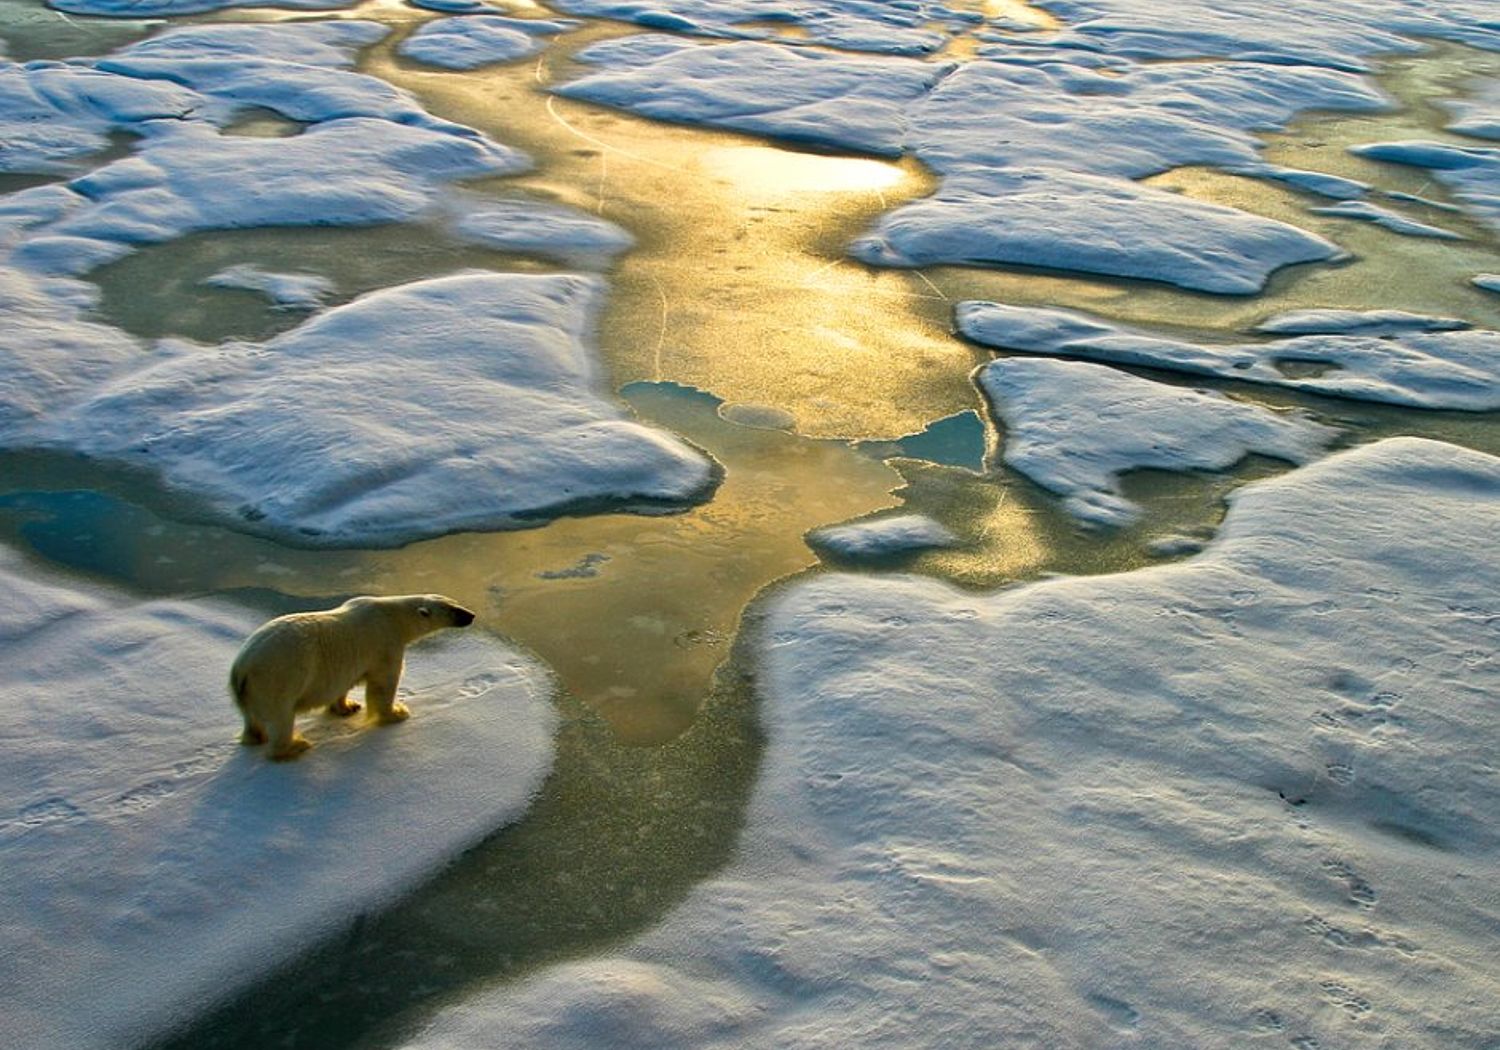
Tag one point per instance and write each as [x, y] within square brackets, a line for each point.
[308, 660]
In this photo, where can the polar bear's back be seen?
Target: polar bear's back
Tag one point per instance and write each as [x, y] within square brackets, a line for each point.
[311, 658]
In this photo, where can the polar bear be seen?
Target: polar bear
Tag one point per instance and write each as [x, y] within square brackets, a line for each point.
[306, 660]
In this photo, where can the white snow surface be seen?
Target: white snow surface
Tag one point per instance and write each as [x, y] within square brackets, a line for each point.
[1471, 172]
[1424, 369]
[882, 537]
[1237, 800]
[1089, 224]
[171, 8]
[1490, 282]
[291, 291]
[1357, 322]
[792, 93]
[154, 866]
[1074, 428]
[882, 26]
[1478, 114]
[463, 402]
[556, 231]
[1302, 32]
[471, 41]
[1394, 221]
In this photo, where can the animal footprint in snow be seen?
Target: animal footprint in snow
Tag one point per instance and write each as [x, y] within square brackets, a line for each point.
[477, 685]
[54, 810]
[1346, 997]
[1340, 773]
[1361, 893]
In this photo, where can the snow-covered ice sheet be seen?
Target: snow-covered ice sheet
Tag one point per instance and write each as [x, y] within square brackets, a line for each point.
[153, 866]
[806, 96]
[1394, 221]
[1074, 428]
[51, 113]
[1302, 32]
[1357, 322]
[1478, 113]
[856, 25]
[1089, 224]
[555, 231]
[471, 41]
[1423, 369]
[1014, 137]
[463, 402]
[49, 350]
[369, 443]
[1239, 800]
[1128, 119]
[171, 8]
[290, 291]
[353, 171]
[882, 537]
[1471, 172]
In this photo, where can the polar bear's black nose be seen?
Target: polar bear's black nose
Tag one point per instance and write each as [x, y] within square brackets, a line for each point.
[462, 617]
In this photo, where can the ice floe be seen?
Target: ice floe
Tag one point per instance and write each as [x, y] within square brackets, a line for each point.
[170, 8]
[368, 441]
[1091, 224]
[551, 230]
[53, 113]
[1357, 322]
[461, 402]
[882, 537]
[1074, 428]
[291, 291]
[1479, 113]
[1302, 32]
[153, 866]
[1471, 172]
[791, 93]
[1391, 220]
[1239, 798]
[1490, 282]
[471, 41]
[902, 28]
[1424, 369]
[349, 172]
[1129, 120]
[1011, 138]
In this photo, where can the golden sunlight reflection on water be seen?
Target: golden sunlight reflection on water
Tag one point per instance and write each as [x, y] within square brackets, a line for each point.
[739, 284]
[763, 173]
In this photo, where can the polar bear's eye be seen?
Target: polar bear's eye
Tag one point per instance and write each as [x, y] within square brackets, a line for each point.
[423, 610]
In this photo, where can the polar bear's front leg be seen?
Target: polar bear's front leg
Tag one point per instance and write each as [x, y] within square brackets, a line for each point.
[380, 691]
[286, 742]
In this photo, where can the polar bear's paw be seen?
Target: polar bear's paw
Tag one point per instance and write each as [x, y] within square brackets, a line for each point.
[399, 712]
[291, 749]
[343, 707]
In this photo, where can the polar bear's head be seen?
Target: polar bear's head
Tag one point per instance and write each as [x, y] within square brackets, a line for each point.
[421, 614]
[435, 612]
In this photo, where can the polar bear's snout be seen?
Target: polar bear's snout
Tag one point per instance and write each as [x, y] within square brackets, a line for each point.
[462, 617]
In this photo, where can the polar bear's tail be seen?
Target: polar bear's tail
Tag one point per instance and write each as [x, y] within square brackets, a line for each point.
[238, 680]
